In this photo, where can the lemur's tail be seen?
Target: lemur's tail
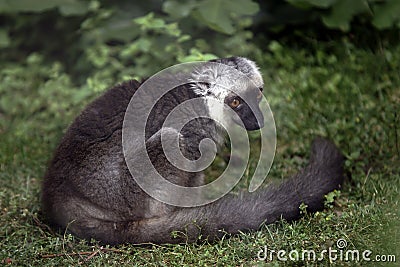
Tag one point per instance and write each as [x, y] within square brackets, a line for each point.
[230, 214]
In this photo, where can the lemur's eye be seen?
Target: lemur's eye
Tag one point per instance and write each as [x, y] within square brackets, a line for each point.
[234, 103]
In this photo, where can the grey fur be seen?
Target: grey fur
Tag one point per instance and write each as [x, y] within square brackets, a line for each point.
[89, 190]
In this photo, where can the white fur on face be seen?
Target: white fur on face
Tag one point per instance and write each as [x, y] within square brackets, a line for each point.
[254, 74]
[217, 80]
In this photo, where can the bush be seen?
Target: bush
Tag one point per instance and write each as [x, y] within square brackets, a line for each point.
[125, 39]
[339, 14]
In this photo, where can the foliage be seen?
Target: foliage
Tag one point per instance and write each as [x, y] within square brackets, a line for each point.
[43, 93]
[211, 12]
[123, 37]
[66, 7]
[188, 35]
[382, 14]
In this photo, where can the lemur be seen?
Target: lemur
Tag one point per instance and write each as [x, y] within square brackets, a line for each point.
[89, 190]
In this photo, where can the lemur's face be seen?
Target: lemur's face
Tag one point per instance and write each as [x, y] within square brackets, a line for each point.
[237, 83]
[247, 109]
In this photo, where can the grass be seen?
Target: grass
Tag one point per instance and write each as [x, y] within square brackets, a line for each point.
[333, 89]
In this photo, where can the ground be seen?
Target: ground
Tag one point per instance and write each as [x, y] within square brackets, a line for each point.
[347, 94]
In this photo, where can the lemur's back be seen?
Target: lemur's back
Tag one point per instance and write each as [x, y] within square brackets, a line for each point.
[89, 163]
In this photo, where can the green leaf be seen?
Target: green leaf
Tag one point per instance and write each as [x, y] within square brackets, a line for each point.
[307, 4]
[343, 12]
[66, 7]
[4, 38]
[217, 13]
[386, 14]
[242, 7]
[212, 13]
[179, 9]
[196, 55]
[150, 22]
[303, 208]
[27, 5]
[183, 38]
[143, 44]
[73, 8]
[330, 198]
